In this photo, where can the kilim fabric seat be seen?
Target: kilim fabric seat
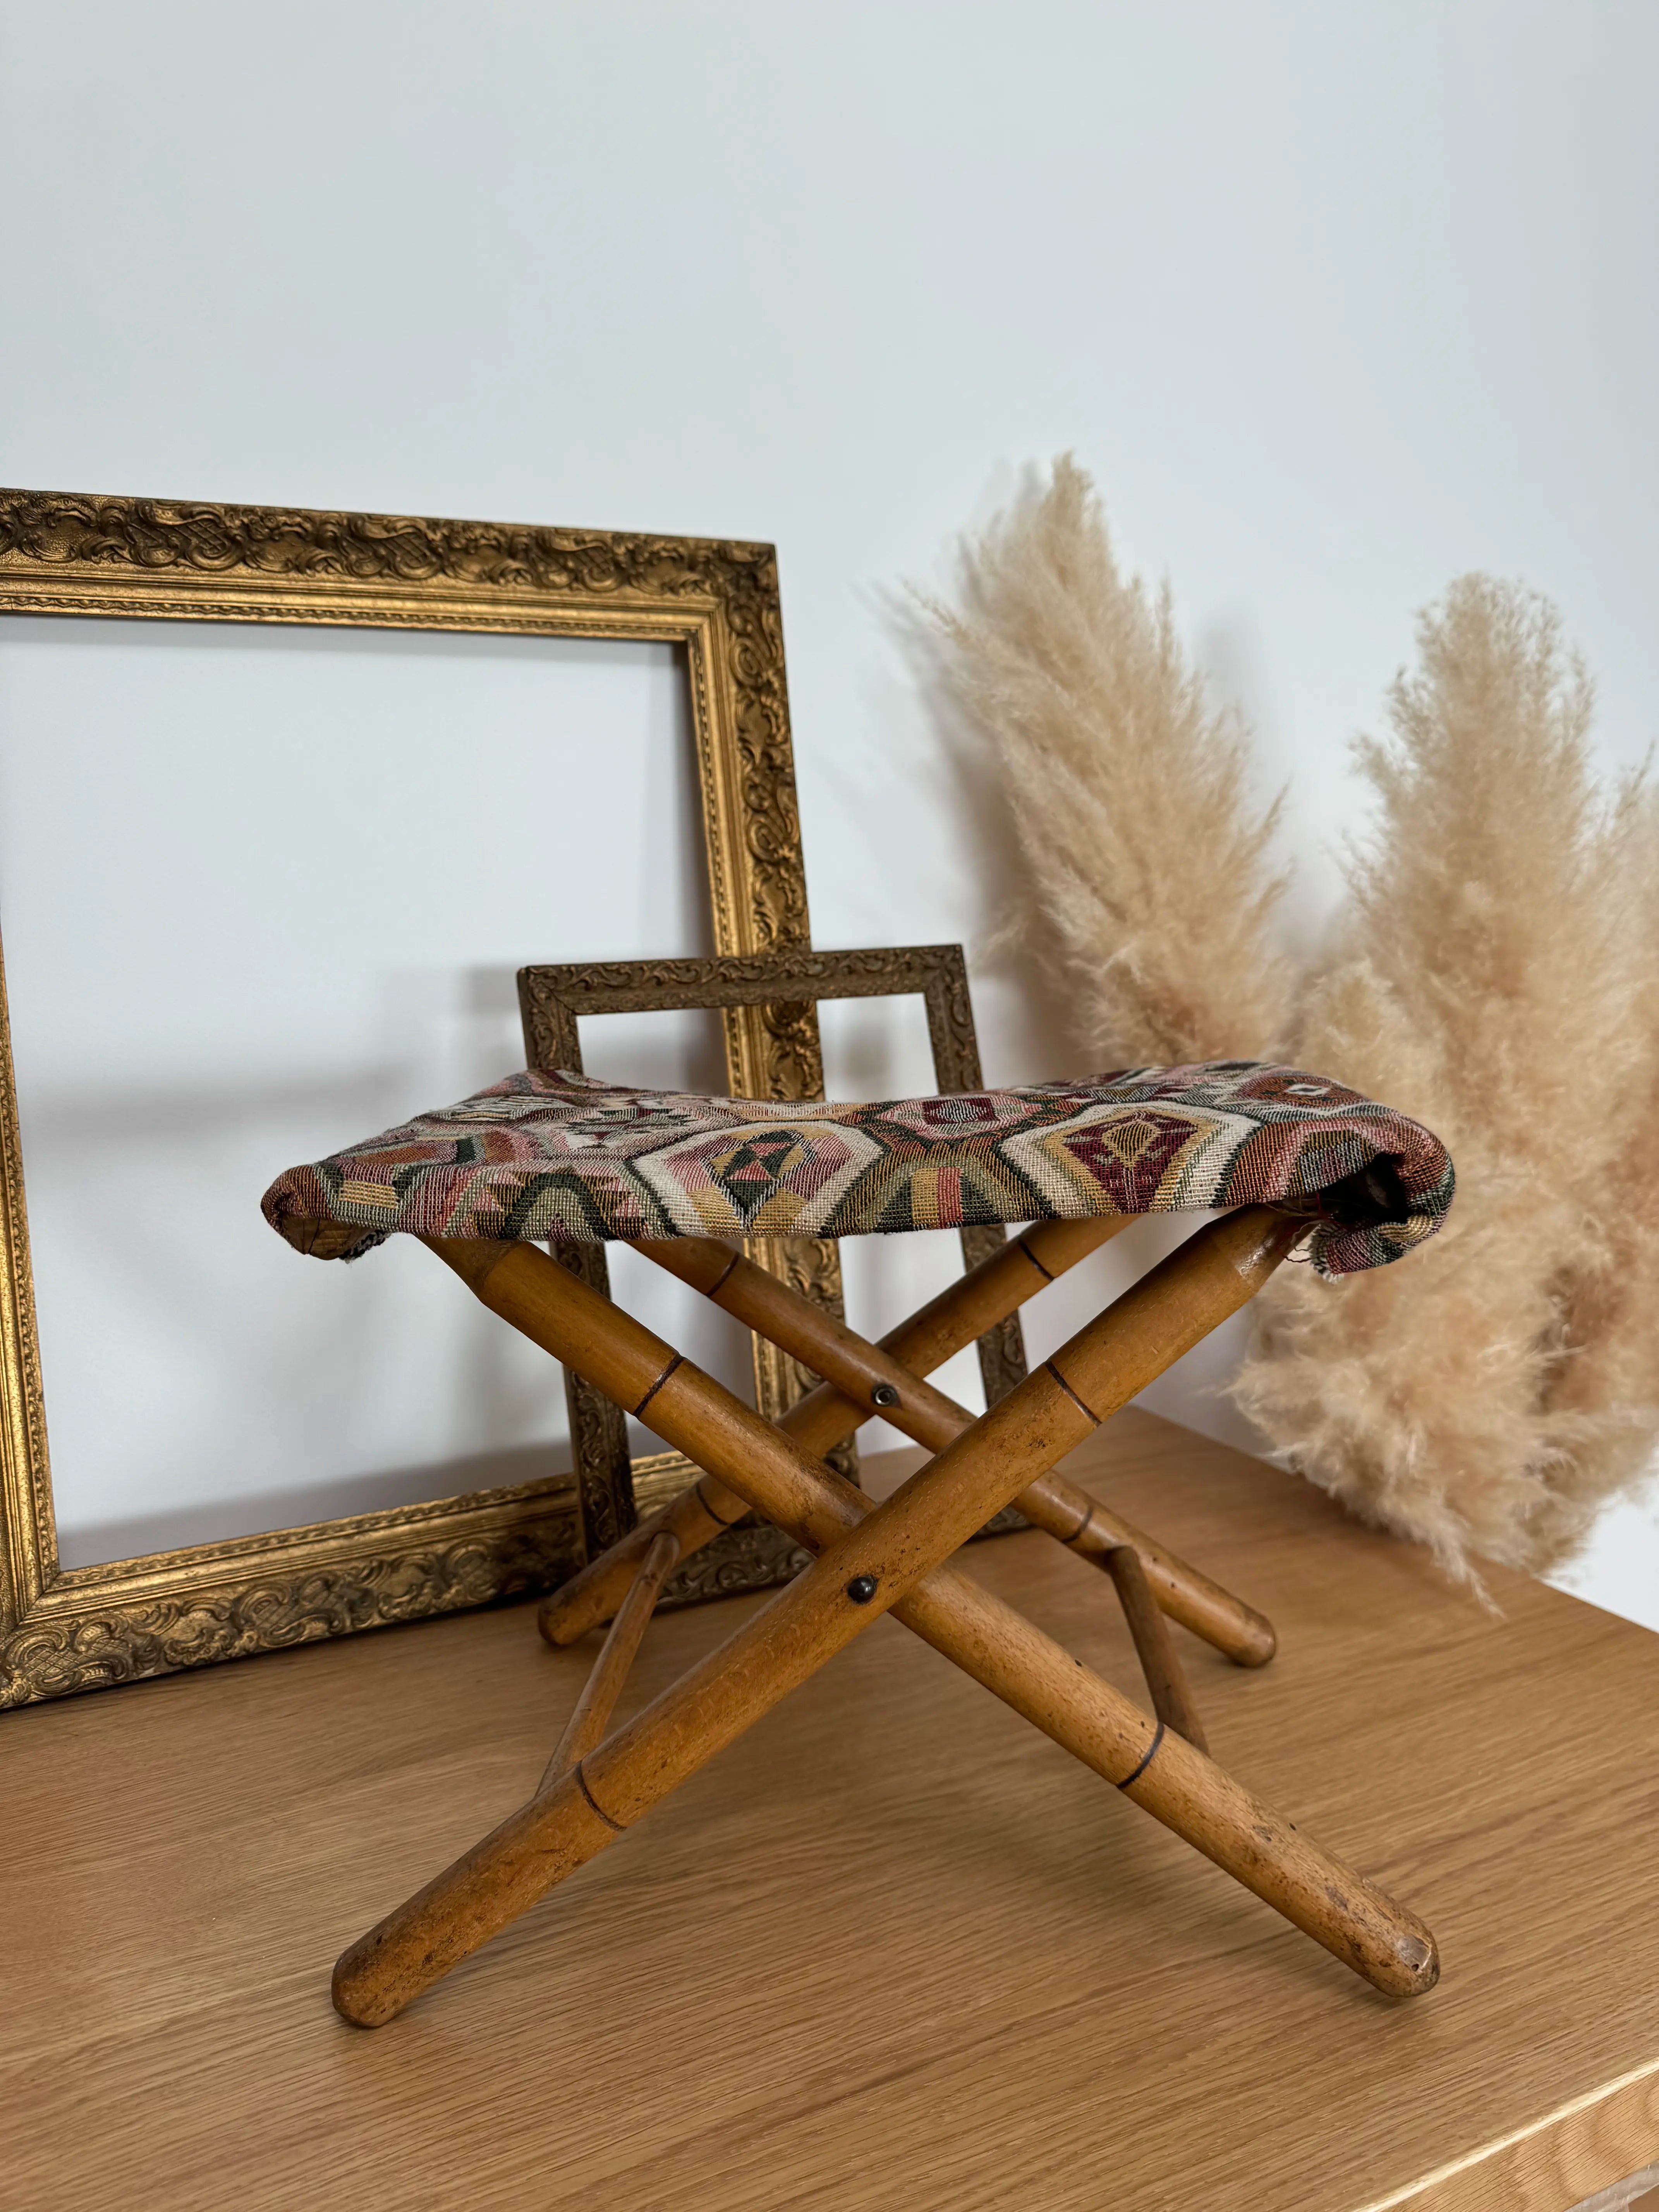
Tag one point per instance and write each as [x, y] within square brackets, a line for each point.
[546, 1154]
[1293, 1159]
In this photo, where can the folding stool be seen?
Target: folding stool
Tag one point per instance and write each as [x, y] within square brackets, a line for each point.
[544, 1155]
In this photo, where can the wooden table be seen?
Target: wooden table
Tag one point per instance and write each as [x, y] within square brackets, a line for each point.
[1013, 1991]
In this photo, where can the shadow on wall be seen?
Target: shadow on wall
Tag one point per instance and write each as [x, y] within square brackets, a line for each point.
[191, 1359]
[204, 1382]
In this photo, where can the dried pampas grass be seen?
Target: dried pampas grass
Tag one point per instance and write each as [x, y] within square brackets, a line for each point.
[1488, 982]
[1149, 884]
[1494, 974]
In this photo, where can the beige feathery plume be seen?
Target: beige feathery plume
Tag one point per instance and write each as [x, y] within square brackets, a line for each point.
[1602, 1404]
[1487, 983]
[1149, 882]
[1494, 975]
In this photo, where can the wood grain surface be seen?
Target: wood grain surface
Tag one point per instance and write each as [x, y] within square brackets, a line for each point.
[891, 1950]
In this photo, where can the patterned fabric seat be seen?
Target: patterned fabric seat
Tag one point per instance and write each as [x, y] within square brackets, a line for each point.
[547, 1156]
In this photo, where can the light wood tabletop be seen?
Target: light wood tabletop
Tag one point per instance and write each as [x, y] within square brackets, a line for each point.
[893, 1949]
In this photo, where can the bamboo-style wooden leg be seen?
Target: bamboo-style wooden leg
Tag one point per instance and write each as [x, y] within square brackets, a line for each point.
[860, 1369]
[975, 1302]
[584, 1730]
[1166, 1685]
[862, 1377]
[874, 1558]
[868, 1376]
[1182, 1591]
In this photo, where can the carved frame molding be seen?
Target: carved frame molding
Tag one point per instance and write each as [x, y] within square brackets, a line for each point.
[68, 1629]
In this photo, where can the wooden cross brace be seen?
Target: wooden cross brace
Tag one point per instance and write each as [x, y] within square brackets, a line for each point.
[875, 1558]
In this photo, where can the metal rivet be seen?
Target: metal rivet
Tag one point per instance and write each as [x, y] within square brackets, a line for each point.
[861, 1589]
[884, 1394]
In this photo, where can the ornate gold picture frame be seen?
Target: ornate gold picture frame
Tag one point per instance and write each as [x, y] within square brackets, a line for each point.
[67, 1630]
[785, 986]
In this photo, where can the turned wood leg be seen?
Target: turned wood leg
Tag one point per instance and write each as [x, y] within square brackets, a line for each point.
[861, 1378]
[882, 1559]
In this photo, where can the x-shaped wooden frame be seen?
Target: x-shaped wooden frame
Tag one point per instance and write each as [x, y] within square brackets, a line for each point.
[875, 1558]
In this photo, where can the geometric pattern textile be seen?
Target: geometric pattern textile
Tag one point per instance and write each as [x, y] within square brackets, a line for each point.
[550, 1156]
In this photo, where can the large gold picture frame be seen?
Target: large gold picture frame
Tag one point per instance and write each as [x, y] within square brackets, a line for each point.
[64, 1630]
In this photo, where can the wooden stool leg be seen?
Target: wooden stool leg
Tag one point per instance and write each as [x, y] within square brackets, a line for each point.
[863, 1377]
[868, 1377]
[860, 1369]
[975, 1302]
[1182, 1591]
[1166, 1685]
[883, 1560]
[584, 1730]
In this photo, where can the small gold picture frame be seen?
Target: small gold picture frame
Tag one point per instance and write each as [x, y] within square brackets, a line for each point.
[783, 990]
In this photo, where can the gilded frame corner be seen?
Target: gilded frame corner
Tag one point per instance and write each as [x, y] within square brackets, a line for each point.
[68, 1629]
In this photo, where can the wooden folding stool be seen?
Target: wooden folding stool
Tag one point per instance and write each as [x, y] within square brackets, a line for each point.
[558, 1156]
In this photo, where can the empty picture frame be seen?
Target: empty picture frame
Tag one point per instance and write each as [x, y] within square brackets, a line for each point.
[786, 987]
[68, 1629]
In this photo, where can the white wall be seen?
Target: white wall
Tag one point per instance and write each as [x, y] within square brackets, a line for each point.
[1336, 301]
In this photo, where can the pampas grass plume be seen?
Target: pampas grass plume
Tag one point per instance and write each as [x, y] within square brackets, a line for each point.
[1484, 983]
[1494, 975]
[1150, 885]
